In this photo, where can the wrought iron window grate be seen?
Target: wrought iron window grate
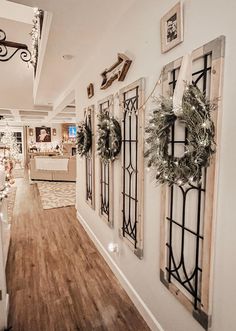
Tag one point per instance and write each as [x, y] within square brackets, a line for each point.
[130, 166]
[89, 161]
[188, 212]
[105, 176]
[178, 261]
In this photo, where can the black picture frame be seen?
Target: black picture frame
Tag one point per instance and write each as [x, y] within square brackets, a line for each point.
[43, 134]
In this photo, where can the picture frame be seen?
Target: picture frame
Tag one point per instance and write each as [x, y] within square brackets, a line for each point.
[90, 91]
[43, 134]
[172, 28]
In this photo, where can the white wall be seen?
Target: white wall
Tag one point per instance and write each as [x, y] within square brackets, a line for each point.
[138, 35]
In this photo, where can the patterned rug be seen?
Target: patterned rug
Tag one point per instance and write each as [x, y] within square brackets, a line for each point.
[56, 194]
[10, 203]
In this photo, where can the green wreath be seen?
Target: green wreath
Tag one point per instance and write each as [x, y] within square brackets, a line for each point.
[195, 114]
[109, 137]
[84, 139]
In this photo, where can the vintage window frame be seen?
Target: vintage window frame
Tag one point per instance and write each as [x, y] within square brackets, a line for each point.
[90, 111]
[202, 315]
[140, 84]
[108, 220]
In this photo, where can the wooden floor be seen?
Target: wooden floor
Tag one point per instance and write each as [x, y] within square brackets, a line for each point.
[57, 280]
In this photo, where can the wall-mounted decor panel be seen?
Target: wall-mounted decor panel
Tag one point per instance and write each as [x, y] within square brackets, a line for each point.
[106, 173]
[90, 159]
[117, 71]
[90, 90]
[131, 100]
[188, 211]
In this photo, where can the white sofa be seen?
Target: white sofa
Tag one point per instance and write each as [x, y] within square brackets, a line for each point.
[57, 168]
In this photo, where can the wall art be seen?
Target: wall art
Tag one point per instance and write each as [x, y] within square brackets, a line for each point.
[188, 210]
[43, 134]
[117, 71]
[106, 172]
[131, 230]
[172, 28]
[90, 91]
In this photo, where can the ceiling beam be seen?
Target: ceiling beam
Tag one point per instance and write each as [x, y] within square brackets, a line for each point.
[16, 115]
[33, 113]
[64, 100]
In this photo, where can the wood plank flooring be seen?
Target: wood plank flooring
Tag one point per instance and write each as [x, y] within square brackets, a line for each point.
[57, 279]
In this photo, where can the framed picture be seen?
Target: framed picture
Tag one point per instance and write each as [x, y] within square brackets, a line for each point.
[172, 28]
[43, 134]
[72, 130]
[90, 91]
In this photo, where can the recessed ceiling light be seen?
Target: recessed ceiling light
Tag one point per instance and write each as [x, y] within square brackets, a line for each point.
[67, 57]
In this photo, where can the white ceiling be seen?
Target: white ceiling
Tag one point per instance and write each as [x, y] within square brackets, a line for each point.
[16, 12]
[77, 27]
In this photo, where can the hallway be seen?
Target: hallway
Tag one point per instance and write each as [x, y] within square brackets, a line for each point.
[57, 280]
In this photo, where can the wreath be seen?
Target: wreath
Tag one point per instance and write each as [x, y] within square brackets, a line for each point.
[195, 114]
[84, 139]
[109, 137]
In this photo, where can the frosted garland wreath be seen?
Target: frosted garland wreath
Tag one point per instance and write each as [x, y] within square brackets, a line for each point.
[83, 139]
[200, 144]
[109, 137]
[35, 35]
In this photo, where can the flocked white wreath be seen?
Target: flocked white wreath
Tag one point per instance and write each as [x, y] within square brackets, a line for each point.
[195, 114]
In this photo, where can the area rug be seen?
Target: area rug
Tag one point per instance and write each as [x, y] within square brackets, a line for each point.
[56, 194]
[10, 203]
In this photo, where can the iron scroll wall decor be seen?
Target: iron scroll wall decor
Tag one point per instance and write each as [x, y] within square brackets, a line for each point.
[5, 55]
[117, 71]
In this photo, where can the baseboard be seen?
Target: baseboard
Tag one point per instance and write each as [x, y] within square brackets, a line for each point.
[7, 305]
[132, 293]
